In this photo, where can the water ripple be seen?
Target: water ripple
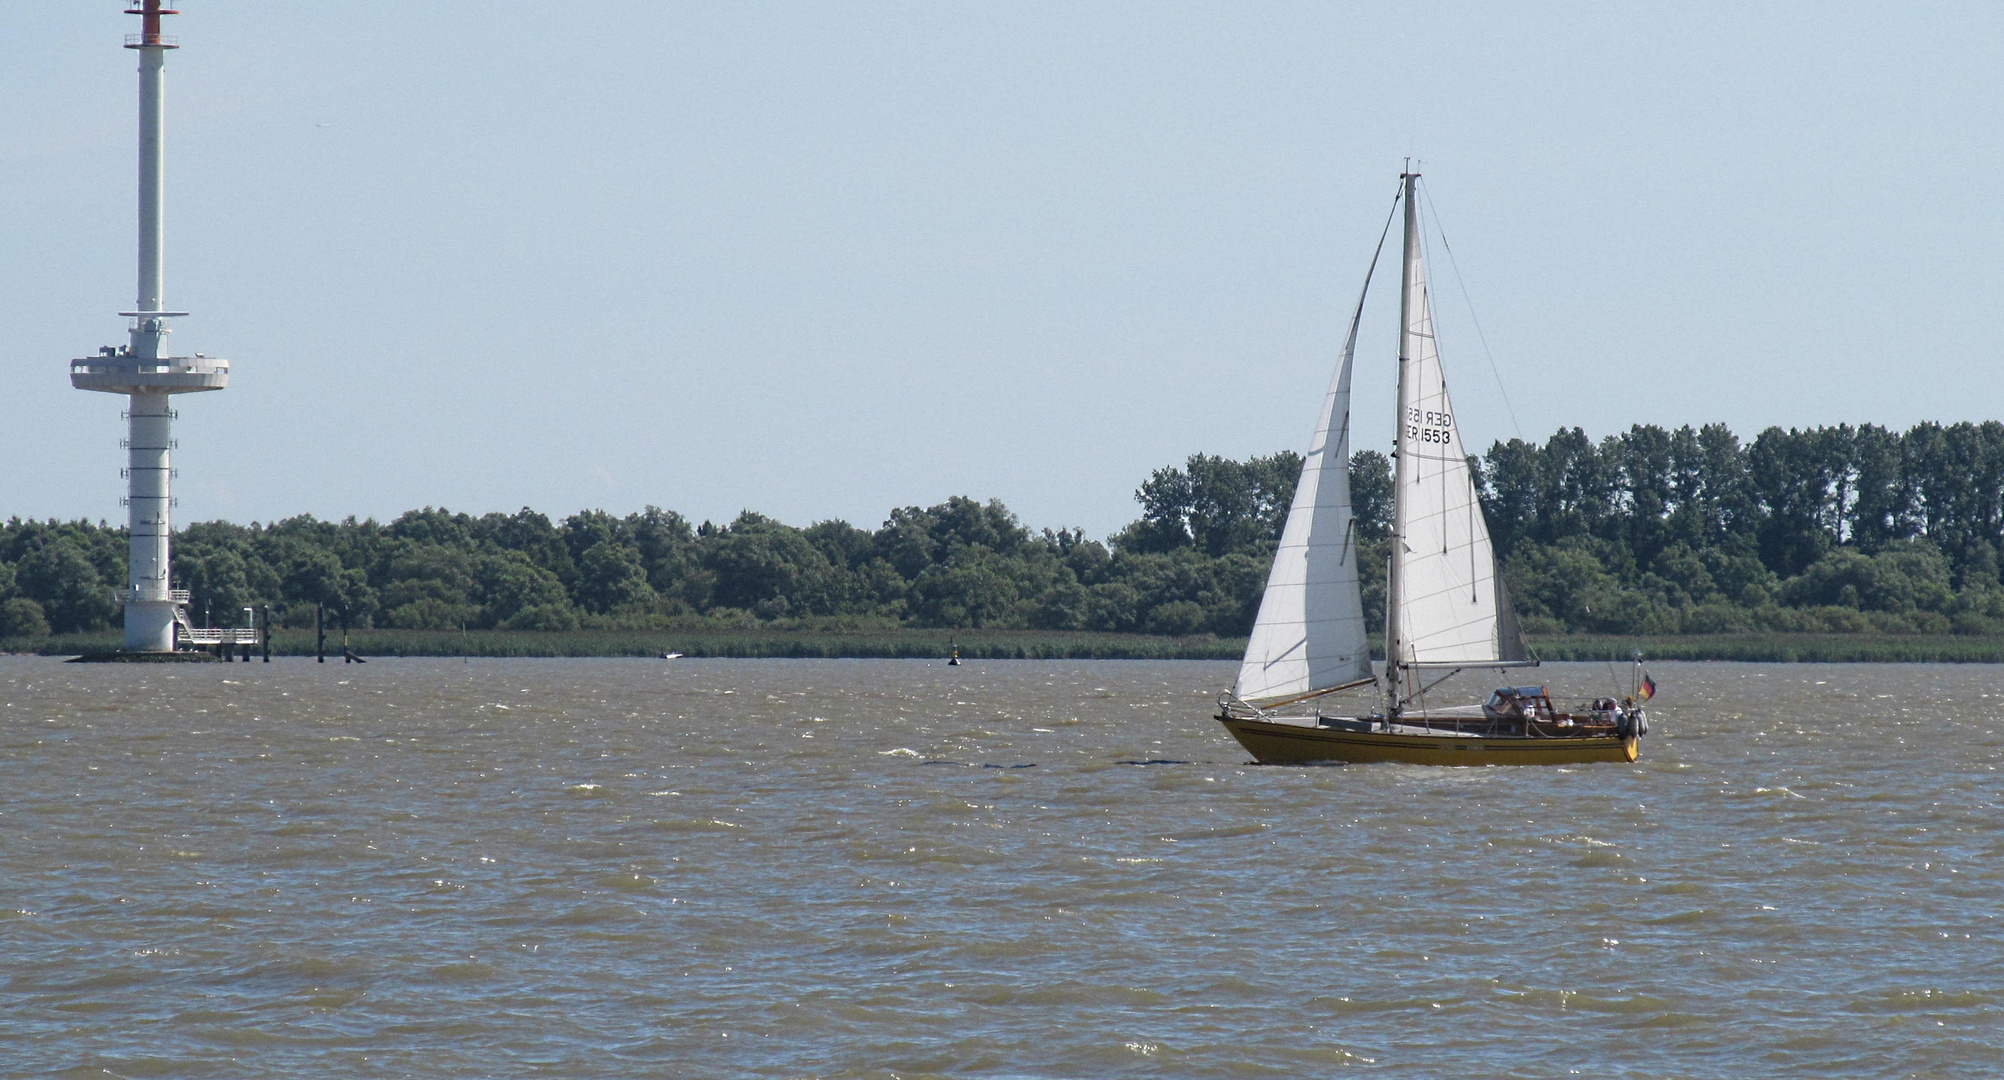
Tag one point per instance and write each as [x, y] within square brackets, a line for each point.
[851, 869]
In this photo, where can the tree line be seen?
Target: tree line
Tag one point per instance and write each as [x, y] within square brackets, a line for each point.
[1650, 531]
[1825, 529]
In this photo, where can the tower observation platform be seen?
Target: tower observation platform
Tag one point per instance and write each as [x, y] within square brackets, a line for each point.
[145, 370]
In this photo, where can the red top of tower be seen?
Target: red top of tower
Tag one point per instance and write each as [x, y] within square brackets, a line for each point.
[150, 36]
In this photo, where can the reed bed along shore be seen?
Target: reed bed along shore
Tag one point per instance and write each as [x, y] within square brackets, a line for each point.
[1781, 648]
[1052, 645]
[734, 642]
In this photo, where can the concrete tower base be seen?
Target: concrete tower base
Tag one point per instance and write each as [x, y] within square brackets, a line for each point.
[149, 625]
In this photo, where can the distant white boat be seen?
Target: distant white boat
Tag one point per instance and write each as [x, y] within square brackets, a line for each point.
[671, 656]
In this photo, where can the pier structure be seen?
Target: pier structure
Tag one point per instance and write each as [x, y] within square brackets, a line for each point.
[145, 370]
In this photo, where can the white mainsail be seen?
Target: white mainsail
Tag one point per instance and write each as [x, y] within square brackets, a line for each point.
[1310, 632]
[1451, 608]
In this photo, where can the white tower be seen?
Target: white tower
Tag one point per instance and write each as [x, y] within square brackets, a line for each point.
[144, 370]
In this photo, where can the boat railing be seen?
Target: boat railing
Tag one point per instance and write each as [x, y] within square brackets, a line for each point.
[1238, 708]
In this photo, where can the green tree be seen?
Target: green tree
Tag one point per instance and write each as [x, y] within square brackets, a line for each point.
[60, 577]
[972, 587]
[1371, 493]
[428, 586]
[1215, 505]
[22, 617]
[533, 535]
[767, 568]
[1792, 479]
[310, 574]
[511, 583]
[432, 527]
[611, 579]
[667, 549]
[218, 581]
[1176, 618]
[518, 594]
[1903, 578]
[1113, 606]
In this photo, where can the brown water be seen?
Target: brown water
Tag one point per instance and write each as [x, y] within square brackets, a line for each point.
[1013, 869]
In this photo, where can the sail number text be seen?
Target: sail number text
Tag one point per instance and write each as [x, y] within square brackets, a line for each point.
[1429, 427]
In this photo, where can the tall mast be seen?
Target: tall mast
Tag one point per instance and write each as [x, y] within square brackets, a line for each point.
[152, 47]
[1395, 645]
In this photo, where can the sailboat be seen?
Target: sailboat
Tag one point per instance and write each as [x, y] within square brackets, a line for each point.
[1446, 610]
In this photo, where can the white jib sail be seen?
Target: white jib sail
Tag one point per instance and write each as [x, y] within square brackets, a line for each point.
[1451, 609]
[1310, 632]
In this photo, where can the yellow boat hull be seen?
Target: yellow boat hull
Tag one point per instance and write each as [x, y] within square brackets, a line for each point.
[1273, 743]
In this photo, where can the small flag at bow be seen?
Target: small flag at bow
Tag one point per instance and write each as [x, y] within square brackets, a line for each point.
[1647, 690]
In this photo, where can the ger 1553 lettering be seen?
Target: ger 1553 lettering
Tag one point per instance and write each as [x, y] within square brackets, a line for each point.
[1428, 427]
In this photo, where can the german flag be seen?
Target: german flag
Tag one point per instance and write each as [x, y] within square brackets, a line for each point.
[1647, 690]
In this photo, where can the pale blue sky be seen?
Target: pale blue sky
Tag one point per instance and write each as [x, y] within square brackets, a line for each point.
[823, 259]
